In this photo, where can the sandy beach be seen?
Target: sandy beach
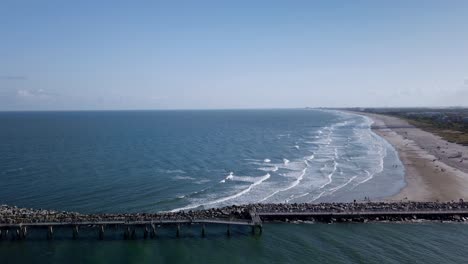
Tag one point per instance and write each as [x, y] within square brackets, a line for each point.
[434, 168]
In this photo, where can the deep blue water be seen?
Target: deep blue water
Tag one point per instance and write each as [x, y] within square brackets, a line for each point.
[148, 161]
[114, 161]
[279, 243]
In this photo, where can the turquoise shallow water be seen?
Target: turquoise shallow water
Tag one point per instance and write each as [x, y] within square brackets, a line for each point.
[279, 243]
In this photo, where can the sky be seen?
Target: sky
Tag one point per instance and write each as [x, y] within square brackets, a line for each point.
[106, 55]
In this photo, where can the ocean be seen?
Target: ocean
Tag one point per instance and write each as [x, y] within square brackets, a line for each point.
[150, 161]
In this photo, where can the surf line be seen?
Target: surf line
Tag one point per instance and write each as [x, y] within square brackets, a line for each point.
[262, 179]
[294, 184]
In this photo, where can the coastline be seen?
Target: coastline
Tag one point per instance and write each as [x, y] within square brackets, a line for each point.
[430, 172]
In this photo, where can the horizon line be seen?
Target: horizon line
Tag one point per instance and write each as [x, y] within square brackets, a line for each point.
[217, 109]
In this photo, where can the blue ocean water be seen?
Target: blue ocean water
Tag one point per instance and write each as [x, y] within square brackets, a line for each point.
[279, 243]
[147, 161]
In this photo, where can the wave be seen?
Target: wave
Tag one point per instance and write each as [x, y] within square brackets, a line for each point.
[330, 175]
[294, 197]
[224, 199]
[363, 158]
[294, 184]
[334, 189]
[272, 168]
[229, 177]
[178, 177]
[317, 197]
[202, 181]
[174, 171]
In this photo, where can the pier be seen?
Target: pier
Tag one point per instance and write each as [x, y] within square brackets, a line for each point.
[19, 231]
[16, 223]
[364, 216]
[134, 226]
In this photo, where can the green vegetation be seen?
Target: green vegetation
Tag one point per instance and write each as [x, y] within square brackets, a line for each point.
[449, 123]
[450, 131]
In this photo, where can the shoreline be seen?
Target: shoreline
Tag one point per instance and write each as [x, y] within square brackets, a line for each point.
[430, 174]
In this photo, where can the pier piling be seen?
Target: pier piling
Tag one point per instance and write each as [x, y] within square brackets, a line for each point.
[75, 232]
[203, 230]
[228, 230]
[153, 231]
[23, 231]
[178, 230]
[101, 232]
[132, 233]
[17, 234]
[145, 233]
[50, 232]
[127, 233]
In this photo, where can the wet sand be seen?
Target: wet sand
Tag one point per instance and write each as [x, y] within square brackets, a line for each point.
[434, 169]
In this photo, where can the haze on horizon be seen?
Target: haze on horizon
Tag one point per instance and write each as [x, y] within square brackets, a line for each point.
[84, 55]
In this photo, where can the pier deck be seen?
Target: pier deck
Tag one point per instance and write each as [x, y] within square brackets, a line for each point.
[365, 213]
[134, 223]
[15, 222]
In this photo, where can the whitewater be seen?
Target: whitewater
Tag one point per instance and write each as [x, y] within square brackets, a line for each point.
[150, 161]
[344, 161]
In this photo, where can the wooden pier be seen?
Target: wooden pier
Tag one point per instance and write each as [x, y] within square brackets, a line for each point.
[19, 231]
[16, 223]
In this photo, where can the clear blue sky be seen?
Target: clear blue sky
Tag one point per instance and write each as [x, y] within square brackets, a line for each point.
[232, 54]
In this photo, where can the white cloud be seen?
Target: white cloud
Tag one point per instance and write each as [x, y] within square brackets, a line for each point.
[33, 94]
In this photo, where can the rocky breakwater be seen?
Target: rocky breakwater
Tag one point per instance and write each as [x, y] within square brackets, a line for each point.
[366, 211]
[321, 212]
[15, 215]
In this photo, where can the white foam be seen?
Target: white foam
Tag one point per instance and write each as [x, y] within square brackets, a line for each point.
[330, 175]
[334, 189]
[318, 196]
[224, 199]
[267, 160]
[178, 177]
[294, 197]
[294, 184]
[369, 176]
[202, 181]
[229, 177]
[272, 168]
[285, 162]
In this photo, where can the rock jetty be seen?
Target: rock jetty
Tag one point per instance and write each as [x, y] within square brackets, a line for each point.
[326, 212]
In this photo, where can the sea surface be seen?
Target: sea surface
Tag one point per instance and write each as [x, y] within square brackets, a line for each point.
[149, 161]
